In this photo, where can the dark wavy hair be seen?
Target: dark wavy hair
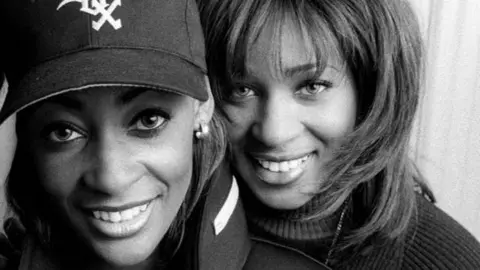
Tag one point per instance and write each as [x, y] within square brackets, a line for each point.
[381, 46]
[31, 204]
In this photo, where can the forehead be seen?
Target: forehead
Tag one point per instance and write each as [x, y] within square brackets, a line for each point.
[101, 100]
[280, 47]
[117, 95]
[285, 46]
[113, 93]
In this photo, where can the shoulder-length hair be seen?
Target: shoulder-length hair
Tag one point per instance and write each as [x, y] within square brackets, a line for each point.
[31, 204]
[381, 46]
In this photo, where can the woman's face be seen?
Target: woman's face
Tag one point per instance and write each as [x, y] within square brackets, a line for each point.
[286, 119]
[117, 164]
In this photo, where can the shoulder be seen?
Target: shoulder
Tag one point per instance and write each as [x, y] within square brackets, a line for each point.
[5, 251]
[10, 244]
[436, 241]
[217, 236]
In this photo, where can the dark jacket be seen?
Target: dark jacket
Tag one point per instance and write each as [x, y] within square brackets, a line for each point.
[219, 228]
[434, 241]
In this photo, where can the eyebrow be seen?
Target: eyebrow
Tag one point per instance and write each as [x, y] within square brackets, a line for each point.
[68, 102]
[293, 71]
[73, 103]
[286, 72]
[130, 95]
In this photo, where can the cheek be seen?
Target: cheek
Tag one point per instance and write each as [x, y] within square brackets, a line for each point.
[240, 120]
[171, 158]
[335, 119]
[173, 164]
[340, 122]
[57, 174]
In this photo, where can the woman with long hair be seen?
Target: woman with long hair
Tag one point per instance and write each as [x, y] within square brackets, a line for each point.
[320, 98]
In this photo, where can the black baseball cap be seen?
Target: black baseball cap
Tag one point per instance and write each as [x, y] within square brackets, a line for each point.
[50, 47]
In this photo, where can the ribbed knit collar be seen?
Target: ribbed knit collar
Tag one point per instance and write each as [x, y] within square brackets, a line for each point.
[287, 224]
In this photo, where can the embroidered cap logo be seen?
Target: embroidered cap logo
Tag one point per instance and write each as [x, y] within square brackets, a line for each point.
[98, 7]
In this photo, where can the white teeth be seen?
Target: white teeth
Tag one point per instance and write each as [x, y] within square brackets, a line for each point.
[115, 217]
[283, 166]
[294, 163]
[136, 210]
[274, 166]
[121, 216]
[127, 214]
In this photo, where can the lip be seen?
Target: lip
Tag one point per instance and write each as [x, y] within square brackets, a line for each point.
[122, 229]
[278, 157]
[278, 179]
[120, 208]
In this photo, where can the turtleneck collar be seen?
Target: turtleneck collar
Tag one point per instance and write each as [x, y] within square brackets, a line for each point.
[287, 224]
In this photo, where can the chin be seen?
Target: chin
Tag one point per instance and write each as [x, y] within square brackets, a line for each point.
[288, 200]
[132, 251]
[123, 253]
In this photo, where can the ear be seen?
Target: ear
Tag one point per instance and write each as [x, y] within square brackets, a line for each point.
[204, 110]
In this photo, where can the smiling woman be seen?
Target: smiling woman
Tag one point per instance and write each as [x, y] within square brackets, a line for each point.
[320, 96]
[116, 163]
[116, 133]
[287, 117]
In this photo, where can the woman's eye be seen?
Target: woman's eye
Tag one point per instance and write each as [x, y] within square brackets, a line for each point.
[241, 92]
[148, 121]
[62, 134]
[314, 88]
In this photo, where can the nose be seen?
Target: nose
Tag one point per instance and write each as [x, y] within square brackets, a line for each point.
[112, 166]
[278, 120]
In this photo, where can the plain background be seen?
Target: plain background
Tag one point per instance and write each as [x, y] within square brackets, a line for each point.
[445, 142]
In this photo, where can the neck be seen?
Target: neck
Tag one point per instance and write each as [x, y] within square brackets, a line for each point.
[297, 224]
[94, 262]
[145, 265]
[74, 254]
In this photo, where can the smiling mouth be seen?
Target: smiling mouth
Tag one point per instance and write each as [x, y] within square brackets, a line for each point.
[282, 166]
[120, 216]
[121, 222]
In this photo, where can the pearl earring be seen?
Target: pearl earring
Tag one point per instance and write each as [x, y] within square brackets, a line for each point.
[202, 131]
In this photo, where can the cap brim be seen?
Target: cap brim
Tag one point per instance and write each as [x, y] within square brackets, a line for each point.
[106, 67]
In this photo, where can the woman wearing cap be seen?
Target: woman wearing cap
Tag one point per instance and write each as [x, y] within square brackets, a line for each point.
[117, 143]
[116, 138]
